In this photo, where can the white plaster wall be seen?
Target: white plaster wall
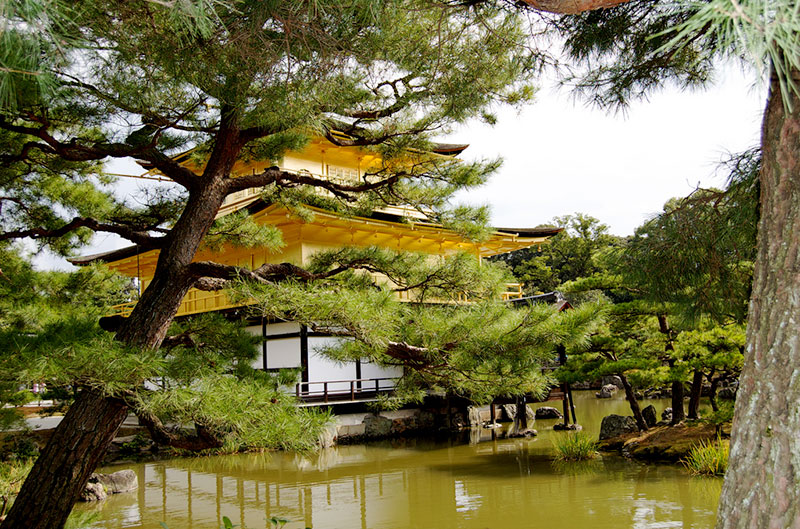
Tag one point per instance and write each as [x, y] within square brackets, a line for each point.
[321, 368]
[284, 327]
[282, 353]
[369, 370]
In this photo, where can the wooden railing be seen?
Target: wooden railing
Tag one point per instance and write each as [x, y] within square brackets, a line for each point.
[342, 390]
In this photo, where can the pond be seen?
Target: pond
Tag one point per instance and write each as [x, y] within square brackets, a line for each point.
[419, 483]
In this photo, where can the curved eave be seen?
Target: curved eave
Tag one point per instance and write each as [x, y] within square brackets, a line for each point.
[332, 228]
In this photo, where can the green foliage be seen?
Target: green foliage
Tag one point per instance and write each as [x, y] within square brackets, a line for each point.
[468, 345]
[138, 80]
[240, 229]
[247, 413]
[135, 445]
[708, 458]
[703, 247]
[763, 31]
[716, 349]
[618, 56]
[575, 446]
[12, 474]
[570, 255]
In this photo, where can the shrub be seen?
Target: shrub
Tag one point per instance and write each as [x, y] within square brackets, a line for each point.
[575, 446]
[708, 458]
[12, 474]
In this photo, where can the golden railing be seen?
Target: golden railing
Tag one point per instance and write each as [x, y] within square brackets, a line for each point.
[198, 301]
[513, 291]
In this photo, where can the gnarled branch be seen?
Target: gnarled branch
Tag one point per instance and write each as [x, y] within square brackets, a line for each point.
[139, 237]
[212, 276]
[274, 175]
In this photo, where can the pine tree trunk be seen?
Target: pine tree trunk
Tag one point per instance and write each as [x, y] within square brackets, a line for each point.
[695, 394]
[81, 439]
[148, 323]
[763, 478]
[712, 394]
[678, 413]
[630, 395]
[64, 466]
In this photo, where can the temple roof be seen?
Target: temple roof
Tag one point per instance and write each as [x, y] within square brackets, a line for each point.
[385, 222]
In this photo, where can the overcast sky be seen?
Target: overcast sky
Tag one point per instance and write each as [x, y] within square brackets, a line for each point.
[561, 157]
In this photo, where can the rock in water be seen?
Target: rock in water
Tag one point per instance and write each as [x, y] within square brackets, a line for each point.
[510, 411]
[527, 434]
[666, 415]
[100, 486]
[606, 392]
[569, 427]
[122, 481]
[548, 412]
[613, 380]
[94, 490]
[649, 416]
[616, 425]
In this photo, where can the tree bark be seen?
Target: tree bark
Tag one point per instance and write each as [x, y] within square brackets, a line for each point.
[712, 393]
[763, 478]
[148, 323]
[64, 466]
[678, 414]
[81, 439]
[630, 395]
[694, 394]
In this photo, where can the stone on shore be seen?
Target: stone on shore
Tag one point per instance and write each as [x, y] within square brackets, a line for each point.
[616, 425]
[649, 416]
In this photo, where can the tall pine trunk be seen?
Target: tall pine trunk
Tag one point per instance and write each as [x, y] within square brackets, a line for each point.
[763, 478]
[83, 436]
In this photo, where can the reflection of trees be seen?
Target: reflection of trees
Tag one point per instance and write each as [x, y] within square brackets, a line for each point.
[495, 484]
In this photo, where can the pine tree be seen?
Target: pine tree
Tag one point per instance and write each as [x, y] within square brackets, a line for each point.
[633, 49]
[82, 83]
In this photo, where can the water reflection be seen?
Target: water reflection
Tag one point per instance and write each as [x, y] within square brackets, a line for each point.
[452, 483]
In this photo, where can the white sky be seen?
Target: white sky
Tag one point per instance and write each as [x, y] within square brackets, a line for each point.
[561, 157]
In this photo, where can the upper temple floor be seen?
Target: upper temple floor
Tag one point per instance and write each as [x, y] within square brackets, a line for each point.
[396, 228]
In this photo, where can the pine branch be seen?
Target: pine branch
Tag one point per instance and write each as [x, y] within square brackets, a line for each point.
[139, 237]
[74, 151]
[203, 439]
[274, 175]
[212, 276]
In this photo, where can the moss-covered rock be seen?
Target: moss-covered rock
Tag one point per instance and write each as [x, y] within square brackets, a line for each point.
[663, 443]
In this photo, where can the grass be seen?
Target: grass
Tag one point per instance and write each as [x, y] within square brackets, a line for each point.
[709, 458]
[575, 446]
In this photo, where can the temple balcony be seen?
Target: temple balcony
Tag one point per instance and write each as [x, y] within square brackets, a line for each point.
[199, 301]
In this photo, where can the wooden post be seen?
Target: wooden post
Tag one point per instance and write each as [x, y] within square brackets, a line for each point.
[571, 404]
[325, 391]
[565, 402]
[352, 390]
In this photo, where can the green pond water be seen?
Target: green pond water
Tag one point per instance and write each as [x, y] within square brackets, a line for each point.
[469, 482]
